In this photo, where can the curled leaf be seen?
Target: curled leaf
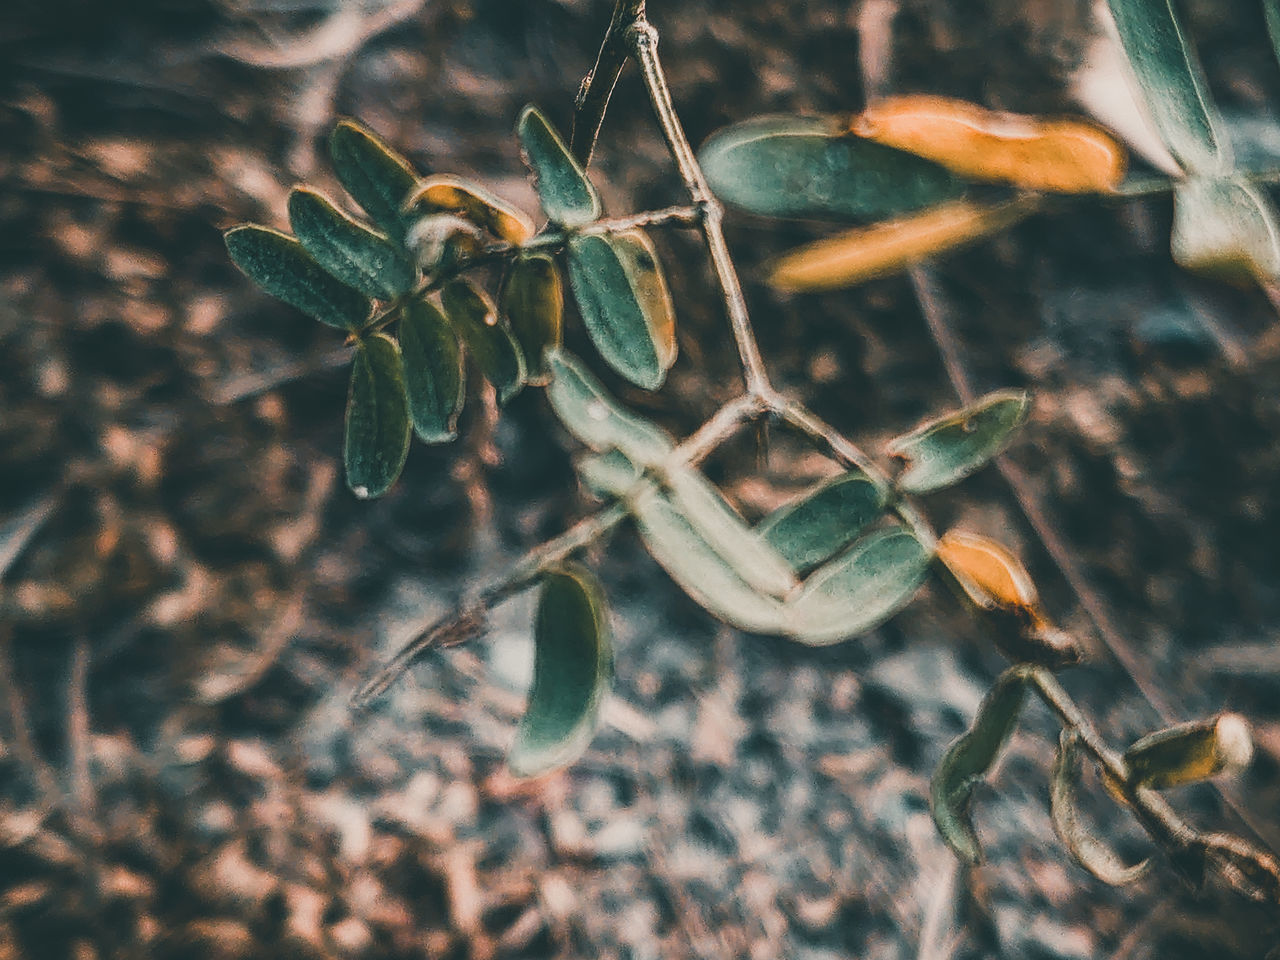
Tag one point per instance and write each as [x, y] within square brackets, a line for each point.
[1190, 752]
[622, 295]
[706, 576]
[442, 193]
[968, 760]
[490, 343]
[1225, 227]
[1053, 155]
[280, 266]
[566, 192]
[377, 424]
[532, 300]
[572, 667]
[825, 520]
[865, 253]
[952, 447]
[359, 257]
[1087, 849]
[594, 417]
[443, 242]
[376, 176]
[858, 590]
[987, 570]
[1250, 870]
[433, 370]
[807, 167]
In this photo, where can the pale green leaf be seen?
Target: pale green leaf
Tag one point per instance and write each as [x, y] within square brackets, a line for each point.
[489, 342]
[280, 266]
[859, 590]
[1225, 227]
[1172, 83]
[594, 417]
[807, 167]
[825, 520]
[573, 664]
[952, 447]
[566, 193]
[609, 474]
[532, 300]
[623, 298]
[433, 370]
[375, 175]
[359, 257]
[377, 426]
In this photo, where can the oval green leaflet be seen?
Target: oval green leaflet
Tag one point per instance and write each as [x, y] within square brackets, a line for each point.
[609, 474]
[952, 447]
[1087, 849]
[594, 417]
[1226, 227]
[279, 265]
[433, 370]
[359, 257]
[572, 668]
[376, 176]
[806, 167]
[968, 760]
[567, 195]
[489, 342]
[859, 590]
[532, 300]
[377, 424]
[826, 519]
[623, 298]
[707, 577]
[1172, 84]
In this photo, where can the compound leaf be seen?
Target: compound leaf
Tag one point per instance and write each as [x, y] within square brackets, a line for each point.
[824, 521]
[623, 298]
[968, 760]
[806, 167]
[572, 667]
[1172, 84]
[376, 176]
[1227, 227]
[489, 342]
[433, 370]
[567, 195]
[952, 447]
[590, 414]
[279, 265]
[859, 590]
[532, 300]
[377, 427]
[354, 254]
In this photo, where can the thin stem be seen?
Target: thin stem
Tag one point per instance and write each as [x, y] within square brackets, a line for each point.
[597, 86]
[723, 424]
[644, 45]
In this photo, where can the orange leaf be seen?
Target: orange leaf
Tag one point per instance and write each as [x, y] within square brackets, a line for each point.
[989, 573]
[442, 193]
[1056, 156]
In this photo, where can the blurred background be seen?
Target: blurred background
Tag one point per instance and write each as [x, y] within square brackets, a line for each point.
[189, 594]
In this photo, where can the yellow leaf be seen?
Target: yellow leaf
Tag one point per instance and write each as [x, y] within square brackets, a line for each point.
[1056, 156]
[447, 194]
[989, 573]
[866, 252]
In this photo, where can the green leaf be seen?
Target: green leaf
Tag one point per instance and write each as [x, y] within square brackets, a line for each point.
[567, 195]
[609, 474]
[1172, 84]
[859, 590]
[354, 254]
[968, 760]
[754, 560]
[433, 370]
[698, 569]
[1087, 849]
[490, 343]
[279, 265]
[572, 667]
[590, 414]
[824, 521]
[1271, 9]
[377, 177]
[952, 447]
[1225, 227]
[806, 167]
[625, 304]
[377, 428]
[532, 300]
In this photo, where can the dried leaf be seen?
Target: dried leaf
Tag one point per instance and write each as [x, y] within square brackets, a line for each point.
[989, 573]
[1190, 752]
[443, 193]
